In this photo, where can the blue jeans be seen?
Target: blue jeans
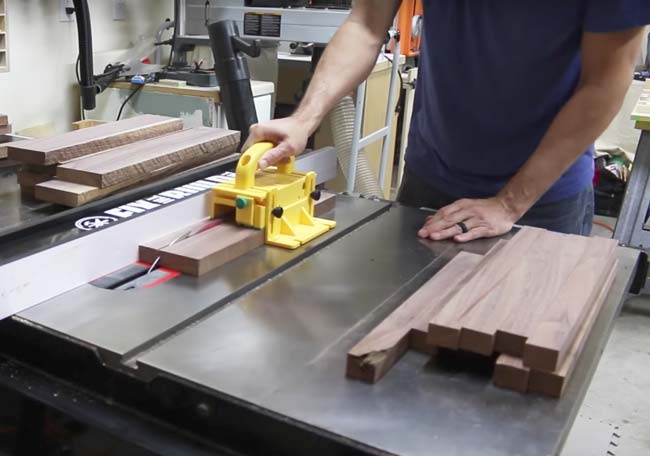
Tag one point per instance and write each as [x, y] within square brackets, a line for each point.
[573, 215]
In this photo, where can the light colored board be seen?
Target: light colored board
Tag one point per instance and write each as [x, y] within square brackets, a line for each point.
[205, 251]
[510, 373]
[554, 383]
[378, 351]
[73, 195]
[129, 162]
[87, 141]
[445, 328]
[551, 340]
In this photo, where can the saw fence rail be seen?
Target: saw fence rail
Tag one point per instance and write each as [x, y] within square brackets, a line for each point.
[528, 303]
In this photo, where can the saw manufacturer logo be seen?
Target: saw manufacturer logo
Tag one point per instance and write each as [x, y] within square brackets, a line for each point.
[144, 205]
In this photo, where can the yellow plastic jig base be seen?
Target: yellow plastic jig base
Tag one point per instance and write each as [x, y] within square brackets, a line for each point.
[278, 200]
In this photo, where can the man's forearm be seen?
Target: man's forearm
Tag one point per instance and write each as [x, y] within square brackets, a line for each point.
[348, 59]
[579, 123]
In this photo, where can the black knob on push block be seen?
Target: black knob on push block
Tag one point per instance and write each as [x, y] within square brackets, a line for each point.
[315, 195]
[277, 212]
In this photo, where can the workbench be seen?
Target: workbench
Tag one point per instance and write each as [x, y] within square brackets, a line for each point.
[250, 358]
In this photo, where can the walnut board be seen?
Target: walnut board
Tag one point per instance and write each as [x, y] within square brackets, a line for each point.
[29, 179]
[510, 372]
[73, 195]
[207, 249]
[378, 351]
[5, 129]
[203, 252]
[550, 342]
[4, 120]
[125, 163]
[87, 141]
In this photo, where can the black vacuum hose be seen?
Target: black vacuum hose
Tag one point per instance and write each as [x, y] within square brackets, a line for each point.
[86, 80]
[233, 75]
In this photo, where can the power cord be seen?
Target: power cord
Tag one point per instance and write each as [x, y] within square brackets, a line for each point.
[131, 95]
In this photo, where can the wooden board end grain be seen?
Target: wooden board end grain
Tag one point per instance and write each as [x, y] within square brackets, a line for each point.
[5, 129]
[551, 339]
[554, 383]
[127, 162]
[380, 349]
[510, 373]
[4, 120]
[205, 251]
[78, 143]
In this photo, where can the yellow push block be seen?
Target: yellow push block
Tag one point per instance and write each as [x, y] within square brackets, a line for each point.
[278, 200]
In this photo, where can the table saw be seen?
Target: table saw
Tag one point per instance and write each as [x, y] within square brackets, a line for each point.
[250, 358]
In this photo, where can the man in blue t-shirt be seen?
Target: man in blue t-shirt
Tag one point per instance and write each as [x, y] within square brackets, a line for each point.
[510, 97]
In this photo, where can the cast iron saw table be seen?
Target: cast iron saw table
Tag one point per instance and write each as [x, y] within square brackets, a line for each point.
[250, 359]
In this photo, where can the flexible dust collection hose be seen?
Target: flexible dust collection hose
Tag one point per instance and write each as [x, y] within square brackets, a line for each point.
[84, 31]
[342, 122]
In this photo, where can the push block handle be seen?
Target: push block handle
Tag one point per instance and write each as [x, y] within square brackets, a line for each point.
[247, 165]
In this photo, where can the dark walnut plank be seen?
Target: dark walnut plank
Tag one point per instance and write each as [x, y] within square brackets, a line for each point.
[445, 329]
[128, 162]
[511, 373]
[537, 278]
[551, 339]
[73, 195]
[378, 351]
[69, 146]
[202, 252]
[211, 244]
[554, 383]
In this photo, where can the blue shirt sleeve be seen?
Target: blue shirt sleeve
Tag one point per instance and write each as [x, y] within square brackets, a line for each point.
[614, 15]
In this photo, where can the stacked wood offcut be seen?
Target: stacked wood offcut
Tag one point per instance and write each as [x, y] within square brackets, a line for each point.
[529, 303]
[5, 129]
[80, 166]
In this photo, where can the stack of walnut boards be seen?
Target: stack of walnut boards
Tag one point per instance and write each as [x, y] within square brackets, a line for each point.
[84, 165]
[204, 246]
[529, 303]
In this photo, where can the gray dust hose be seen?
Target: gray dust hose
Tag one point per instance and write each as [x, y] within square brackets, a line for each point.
[342, 122]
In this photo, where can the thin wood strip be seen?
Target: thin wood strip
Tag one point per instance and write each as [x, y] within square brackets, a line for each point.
[380, 349]
[550, 341]
[554, 383]
[125, 163]
[445, 328]
[87, 141]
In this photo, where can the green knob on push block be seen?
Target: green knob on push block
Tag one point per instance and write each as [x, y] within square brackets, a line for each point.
[241, 203]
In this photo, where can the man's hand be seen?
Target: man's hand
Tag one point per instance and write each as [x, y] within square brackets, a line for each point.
[483, 218]
[289, 136]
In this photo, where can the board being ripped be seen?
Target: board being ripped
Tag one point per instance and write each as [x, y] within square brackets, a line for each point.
[529, 303]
